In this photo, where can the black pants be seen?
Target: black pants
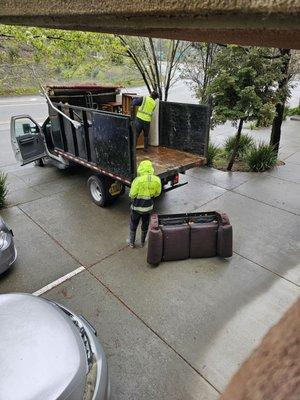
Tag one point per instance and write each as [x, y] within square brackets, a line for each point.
[135, 218]
[140, 126]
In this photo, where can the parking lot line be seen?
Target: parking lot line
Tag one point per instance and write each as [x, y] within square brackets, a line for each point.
[58, 281]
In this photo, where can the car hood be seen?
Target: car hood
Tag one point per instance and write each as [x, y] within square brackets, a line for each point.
[42, 355]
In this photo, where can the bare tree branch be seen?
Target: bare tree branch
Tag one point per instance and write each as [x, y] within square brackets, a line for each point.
[156, 67]
[144, 54]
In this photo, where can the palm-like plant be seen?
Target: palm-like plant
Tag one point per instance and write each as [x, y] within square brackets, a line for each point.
[3, 189]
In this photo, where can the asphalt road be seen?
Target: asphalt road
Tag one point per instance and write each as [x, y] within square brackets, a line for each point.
[37, 108]
[29, 105]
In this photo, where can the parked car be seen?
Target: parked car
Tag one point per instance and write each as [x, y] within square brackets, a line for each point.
[48, 352]
[8, 252]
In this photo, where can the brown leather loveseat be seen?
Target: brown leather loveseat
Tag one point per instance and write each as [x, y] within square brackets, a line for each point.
[195, 235]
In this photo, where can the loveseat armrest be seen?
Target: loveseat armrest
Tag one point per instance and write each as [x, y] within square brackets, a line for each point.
[155, 246]
[154, 223]
[223, 218]
[224, 242]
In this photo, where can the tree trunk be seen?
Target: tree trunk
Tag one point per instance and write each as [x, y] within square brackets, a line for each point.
[170, 67]
[282, 84]
[236, 145]
[276, 127]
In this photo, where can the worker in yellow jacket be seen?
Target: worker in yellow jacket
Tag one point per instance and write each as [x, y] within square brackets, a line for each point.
[144, 188]
[144, 114]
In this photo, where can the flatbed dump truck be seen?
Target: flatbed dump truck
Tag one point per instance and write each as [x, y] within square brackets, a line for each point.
[89, 125]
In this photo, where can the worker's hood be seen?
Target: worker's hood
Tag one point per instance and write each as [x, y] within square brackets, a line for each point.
[145, 167]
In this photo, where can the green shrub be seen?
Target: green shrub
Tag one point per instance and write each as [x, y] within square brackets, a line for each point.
[18, 91]
[261, 157]
[285, 112]
[246, 143]
[293, 111]
[252, 126]
[212, 152]
[3, 189]
[290, 111]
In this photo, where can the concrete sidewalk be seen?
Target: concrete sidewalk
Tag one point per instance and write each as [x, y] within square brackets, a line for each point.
[181, 330]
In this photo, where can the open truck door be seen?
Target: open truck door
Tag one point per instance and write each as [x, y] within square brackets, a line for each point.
[27, 139]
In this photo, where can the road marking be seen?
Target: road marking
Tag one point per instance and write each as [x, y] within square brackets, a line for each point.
[24, 104]
[58, 281]
[20, 99]
[38, 120]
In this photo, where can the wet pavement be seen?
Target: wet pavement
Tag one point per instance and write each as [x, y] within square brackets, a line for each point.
[181, 330]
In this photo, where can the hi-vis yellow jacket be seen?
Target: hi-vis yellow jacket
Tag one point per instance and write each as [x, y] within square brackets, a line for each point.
[145, 110]
[144, 188]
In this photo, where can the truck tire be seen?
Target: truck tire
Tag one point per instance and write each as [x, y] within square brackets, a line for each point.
[39, 162]
[122, 191]
[98, 187]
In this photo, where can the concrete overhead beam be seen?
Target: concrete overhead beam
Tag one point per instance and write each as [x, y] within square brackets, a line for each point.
[272, 23]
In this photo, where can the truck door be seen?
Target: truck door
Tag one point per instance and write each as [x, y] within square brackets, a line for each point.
[26, 139]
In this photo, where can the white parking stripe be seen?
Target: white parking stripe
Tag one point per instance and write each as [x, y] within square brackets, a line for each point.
[58, 281]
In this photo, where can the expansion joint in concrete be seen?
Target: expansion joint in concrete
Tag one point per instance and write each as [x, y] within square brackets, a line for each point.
[119, 299]
[50, 236]
[266, 268]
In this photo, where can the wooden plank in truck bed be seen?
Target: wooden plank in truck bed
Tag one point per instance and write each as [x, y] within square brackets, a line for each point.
[165, 159]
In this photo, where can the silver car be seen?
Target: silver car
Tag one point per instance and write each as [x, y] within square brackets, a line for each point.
[48, 352]
[8, 252]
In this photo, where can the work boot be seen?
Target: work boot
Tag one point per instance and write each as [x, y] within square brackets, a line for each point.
[131, 239]
[146, 143]
[143, 238]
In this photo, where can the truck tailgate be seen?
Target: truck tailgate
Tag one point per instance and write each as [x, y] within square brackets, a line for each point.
[167, 161]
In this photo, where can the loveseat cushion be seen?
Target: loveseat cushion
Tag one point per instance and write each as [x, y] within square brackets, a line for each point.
[176, 240]
[203, 242]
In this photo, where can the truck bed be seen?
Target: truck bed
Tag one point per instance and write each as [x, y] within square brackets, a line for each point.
[165, 159]
[104, 141]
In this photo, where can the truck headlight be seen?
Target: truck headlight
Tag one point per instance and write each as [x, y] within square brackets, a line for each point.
[3, 239]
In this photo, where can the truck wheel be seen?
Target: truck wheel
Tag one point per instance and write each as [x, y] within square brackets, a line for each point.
[98, 188]
[39, 162]
[122, 191]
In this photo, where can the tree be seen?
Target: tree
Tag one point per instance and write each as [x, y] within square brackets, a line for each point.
[290, 66]
[196, 66]
[56, 52]
[243, 87]
[157, 60]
